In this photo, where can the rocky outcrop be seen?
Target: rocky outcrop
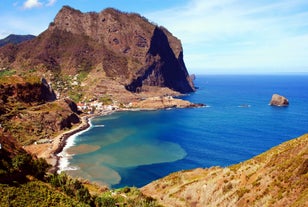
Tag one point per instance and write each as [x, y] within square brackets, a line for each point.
[29, 92]
[277, 177]
[47, 93]
[278, 100]
[163, 103]
[162, 67]
[29, 110]
[123, 47]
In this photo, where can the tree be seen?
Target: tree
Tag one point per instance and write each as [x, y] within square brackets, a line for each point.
[22, 163]
[40, 166]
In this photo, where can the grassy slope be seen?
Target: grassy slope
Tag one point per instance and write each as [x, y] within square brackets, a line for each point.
[278, 177]
[35, 193]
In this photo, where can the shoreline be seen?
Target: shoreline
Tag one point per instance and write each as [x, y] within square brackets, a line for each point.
[50, 151]
[63, 137]
[63, 141]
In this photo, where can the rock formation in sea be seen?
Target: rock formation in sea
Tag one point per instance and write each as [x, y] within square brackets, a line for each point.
[278, 100]
[123, 49]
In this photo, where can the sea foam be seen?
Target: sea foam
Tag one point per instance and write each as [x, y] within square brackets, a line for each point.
[64, 156]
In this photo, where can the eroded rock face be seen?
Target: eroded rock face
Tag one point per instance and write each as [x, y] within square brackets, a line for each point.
[25, 92]
[278, 100]
[30, 111]
[123, 46]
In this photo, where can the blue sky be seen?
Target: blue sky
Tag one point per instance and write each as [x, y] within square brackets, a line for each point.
[225, 36]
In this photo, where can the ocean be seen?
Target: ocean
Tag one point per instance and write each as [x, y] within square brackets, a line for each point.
[135, 148]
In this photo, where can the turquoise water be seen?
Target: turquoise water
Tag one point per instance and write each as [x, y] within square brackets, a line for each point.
[134, 148]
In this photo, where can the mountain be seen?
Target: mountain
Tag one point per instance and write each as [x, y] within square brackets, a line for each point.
[15, 39]
[111, 49]
[278, 177]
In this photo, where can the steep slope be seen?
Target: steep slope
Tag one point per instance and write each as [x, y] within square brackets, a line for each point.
[15, 39]
[29, 109]
[278, 177]
[124, 48]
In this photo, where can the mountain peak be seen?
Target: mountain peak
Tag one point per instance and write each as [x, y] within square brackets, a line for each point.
[113, 45]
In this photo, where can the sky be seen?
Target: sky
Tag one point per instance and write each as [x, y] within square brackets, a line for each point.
[218, 36]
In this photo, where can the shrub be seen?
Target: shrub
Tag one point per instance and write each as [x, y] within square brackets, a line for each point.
[22, 162]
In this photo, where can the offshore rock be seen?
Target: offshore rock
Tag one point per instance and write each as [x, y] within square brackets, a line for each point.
[278, 100]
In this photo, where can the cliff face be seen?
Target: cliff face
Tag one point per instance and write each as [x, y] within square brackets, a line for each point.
[121, 46]
[277, 177]
[29, 110]
[19, 90]
[16, 92]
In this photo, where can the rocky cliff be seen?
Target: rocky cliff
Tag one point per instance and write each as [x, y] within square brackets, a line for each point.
[29, 109]
[108, 46]
[17, 92]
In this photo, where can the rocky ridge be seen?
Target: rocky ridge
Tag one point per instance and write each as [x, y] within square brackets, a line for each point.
[278, 177]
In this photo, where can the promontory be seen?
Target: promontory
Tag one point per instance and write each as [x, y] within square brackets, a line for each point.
[110, 53]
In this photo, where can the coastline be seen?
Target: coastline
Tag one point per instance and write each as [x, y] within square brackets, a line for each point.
[63, 141]
[50, 151]
[63, 137]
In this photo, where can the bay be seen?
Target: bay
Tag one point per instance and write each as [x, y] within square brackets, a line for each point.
[135, 148]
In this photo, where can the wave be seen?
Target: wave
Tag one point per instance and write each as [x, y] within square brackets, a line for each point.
[244, 106]
[64, 156]
[99, 125]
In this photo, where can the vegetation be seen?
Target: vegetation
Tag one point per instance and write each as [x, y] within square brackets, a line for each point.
[15, 170]
[23, 182]
[277, 177]
[35, 194]
[5, 73]
[106, 100]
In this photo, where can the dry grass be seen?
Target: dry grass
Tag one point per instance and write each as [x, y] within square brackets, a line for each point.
[278, 177]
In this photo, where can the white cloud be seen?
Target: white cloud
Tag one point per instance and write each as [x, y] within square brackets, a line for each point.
[51, 2]
[238, 33]
[29, 4]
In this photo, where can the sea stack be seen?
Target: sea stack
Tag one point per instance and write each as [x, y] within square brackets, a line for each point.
[278, 100]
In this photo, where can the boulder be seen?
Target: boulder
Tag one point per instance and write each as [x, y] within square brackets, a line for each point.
[278, 100]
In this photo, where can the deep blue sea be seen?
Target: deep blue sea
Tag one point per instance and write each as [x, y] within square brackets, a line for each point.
[135, 148]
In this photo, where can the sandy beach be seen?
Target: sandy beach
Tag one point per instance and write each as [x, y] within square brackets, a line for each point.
[49, 151]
